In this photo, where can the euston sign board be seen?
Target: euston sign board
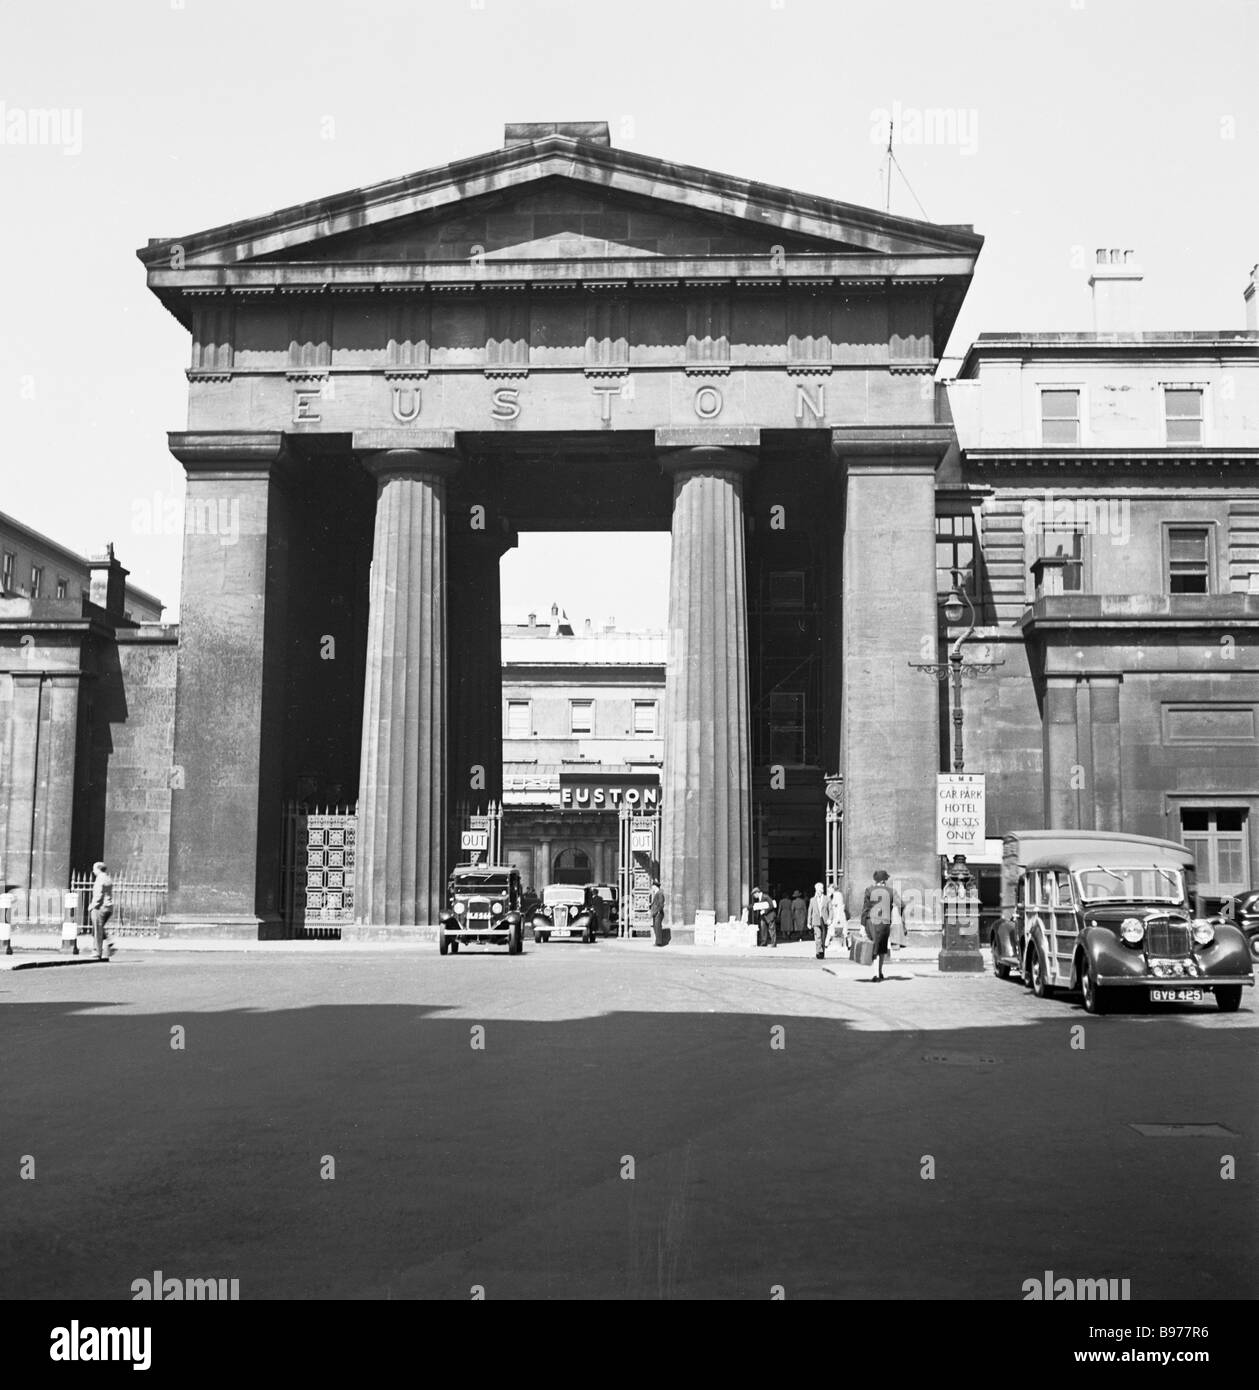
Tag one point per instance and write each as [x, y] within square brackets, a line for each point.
[586, 791]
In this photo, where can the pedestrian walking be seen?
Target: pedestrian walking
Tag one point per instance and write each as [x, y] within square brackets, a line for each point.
[758, 909]
[819, 919]
[876, 915]
[101, 908]
[656, 907]
[799, 915]
[784, 914]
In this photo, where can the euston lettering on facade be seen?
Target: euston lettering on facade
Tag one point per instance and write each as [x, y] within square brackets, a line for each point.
[505, 403]
[596, 798]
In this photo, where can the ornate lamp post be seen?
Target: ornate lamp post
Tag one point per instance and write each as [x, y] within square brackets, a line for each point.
[961, 908]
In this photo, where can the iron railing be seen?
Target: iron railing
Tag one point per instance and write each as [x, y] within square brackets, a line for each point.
[139, 901]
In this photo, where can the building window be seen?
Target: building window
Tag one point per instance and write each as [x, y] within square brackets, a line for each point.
[786, 727]
[1182, 411]
[8, 563]
[786, 589]
[1188, 560]
[1217, 839]
[1069, 544]
[519, 719]
[63, 586]
[955, 550]
[37, 580]
[1059, 417]
[645, 717]
[582, 716]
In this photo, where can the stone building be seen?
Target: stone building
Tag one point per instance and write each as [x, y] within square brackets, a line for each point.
[1103, 504]
[87, 699]
[35, 566]
[582, 738]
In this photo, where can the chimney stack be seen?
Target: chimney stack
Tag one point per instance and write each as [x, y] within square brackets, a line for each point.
[1115, 283]
[1251, 296]
[108, 583]
[533, 620]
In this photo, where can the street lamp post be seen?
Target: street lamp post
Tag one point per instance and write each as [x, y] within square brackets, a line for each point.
[960, 950]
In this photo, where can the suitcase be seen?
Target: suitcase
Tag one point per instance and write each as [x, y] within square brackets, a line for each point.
[862, 952]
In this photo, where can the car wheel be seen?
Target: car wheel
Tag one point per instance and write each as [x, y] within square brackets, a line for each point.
[454, 948]
[1037, 978]
[443, 944]
[1093, 999]
[515, 942]
[1228, 998]
[1001, 970]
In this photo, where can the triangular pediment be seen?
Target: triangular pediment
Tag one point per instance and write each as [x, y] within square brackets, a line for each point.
[560, 198]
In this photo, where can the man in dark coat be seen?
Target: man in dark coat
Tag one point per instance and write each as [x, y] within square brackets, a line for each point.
[656, 908]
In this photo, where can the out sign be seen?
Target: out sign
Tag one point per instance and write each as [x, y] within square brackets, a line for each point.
[475, 839]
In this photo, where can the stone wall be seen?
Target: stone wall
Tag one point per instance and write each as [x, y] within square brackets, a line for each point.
[134, 738]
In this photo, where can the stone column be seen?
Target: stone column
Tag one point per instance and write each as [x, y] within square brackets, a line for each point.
[229, 700]
[1107, 756]
[705, 851]
[402, 779]
[890, 731]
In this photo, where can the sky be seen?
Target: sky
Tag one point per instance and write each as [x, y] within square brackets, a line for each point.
[1062, 125]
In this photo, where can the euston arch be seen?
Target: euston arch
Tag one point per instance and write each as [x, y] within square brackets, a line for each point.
[555, 334]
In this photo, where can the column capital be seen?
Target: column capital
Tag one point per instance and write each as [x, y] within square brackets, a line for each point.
[227, 454]
[428, 465]
[905, 448]
[707, 458]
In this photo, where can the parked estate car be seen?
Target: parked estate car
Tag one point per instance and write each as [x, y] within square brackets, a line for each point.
[483, 905]
[1103, 912]
[1242, 910]
[569, 910]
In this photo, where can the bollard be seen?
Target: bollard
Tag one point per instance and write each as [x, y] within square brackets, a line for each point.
[75, 916]
[6, 922]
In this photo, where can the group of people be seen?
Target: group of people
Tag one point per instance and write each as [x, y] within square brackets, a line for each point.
[792, 915]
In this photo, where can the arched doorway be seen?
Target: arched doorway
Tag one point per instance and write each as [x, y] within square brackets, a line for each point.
[572, 866]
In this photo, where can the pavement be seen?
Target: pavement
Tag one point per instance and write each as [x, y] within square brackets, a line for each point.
[32, 951]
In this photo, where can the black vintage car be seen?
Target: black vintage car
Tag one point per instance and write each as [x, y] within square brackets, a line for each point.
[483, 905]
[1242, 911]
[572, 911]
[1109, 914]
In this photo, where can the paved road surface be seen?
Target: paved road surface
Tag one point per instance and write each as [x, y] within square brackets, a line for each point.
[508, 1166]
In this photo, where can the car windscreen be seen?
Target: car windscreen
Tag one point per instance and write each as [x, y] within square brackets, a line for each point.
[477, 883]
[551, 896]
[1131, 884]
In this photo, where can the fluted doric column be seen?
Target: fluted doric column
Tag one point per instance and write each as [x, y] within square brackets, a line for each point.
[706, 833]
[402, 779]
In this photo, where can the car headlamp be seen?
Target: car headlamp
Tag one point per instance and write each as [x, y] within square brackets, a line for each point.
[1132, 930]
[461, 908]
[1203, 932]
[496, 908]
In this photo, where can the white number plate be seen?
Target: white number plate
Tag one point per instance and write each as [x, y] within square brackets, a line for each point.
[1176, 996]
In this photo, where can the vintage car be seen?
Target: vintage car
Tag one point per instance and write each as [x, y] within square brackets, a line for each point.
[483, 905]
[1106, 913]
[571, 911]
[1242, 910]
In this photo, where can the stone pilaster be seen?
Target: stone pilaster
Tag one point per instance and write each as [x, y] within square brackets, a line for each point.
[229, 700]
[705, 854]
[890, 733]
[402, 779]
[1064, 771]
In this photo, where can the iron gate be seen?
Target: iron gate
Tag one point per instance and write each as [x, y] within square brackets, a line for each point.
[317, 882]
[639, 864]
[481, 836]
